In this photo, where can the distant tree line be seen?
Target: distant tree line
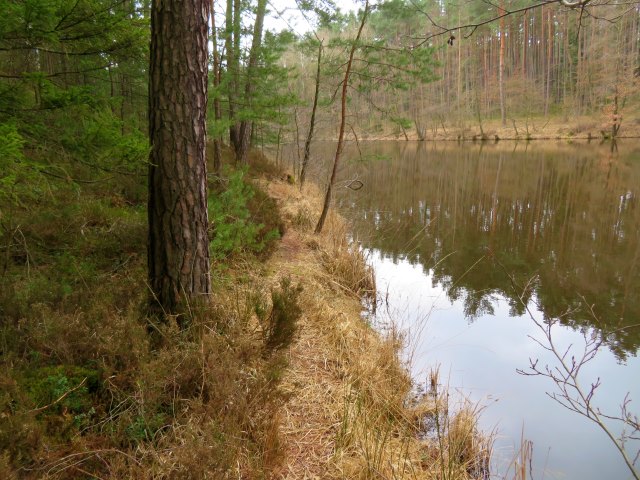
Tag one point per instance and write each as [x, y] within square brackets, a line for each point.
[510, 60]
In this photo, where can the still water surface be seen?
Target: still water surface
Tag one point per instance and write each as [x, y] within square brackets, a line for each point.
[455, 232]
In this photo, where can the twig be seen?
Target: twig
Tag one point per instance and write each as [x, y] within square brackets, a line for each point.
[62, 397]
[572, 395]
[472, 27]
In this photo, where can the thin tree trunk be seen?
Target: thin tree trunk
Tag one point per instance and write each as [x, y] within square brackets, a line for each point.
[112, 91]
[525, 44]
[235, 84]
[245, 125]
[178, 249]
[312, 121]
[217, 154]
[568, 62]
[459, 105]
[547, 80]
[343, 121]
[232, 71]
[579, 88]
[503, 110]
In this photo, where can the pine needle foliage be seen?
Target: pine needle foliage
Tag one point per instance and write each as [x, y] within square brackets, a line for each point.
[282, 321]
[234, 227]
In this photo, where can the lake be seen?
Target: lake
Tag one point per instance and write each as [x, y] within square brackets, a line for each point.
[477, 249]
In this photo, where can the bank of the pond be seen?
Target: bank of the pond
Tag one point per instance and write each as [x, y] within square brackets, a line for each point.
[452, 228]
[536, 128]
[352, 411]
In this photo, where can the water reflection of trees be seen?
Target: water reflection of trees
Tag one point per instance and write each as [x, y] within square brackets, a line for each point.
[569, 216]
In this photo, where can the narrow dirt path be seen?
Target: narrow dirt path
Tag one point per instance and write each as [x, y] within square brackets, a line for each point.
[309, 422]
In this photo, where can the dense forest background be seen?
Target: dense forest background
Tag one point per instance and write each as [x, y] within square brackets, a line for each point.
[511, 61]
[73, 78]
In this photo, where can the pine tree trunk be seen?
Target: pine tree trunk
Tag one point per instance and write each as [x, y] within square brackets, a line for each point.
[178, 249]
[579, 83]
[525, 45]
[503, 110]
[547, 80]
[232, 72]
[459, 33]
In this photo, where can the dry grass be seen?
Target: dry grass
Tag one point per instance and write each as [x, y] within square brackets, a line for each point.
[352, 411]
[521, 463]
[346, 265]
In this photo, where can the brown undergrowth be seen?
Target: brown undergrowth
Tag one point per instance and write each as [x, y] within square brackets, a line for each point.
[280, 378]
[90, 388]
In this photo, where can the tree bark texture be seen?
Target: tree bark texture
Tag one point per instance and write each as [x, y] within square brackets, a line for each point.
[178, 249]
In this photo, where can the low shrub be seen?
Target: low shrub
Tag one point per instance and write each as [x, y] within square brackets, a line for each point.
[234, 227]
[285, 312]
[79, 373]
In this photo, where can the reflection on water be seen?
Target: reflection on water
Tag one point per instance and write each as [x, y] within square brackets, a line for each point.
[568, 216]
[456, 231]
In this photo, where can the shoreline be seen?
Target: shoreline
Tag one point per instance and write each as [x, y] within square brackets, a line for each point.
[578, 128]
[352, 405]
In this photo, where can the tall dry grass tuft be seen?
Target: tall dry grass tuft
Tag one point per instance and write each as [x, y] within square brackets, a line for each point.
[347, 265]
[521, 464]
[388, 432]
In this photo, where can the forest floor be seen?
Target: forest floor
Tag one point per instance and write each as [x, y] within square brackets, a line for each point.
[280, 376]
[534, 128]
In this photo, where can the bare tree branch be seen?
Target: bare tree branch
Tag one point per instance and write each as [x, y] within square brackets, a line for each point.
[470, 28]
[571, 393]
